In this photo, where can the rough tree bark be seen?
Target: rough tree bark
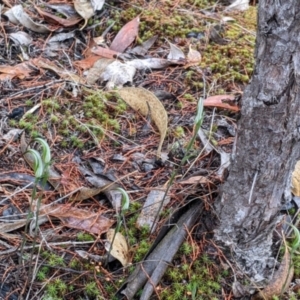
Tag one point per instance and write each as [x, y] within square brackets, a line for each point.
[268, 142]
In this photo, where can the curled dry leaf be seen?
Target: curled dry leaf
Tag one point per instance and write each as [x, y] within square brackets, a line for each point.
[144, 47]
[65, 74]
[110, 70]
[175, 53]
[18, 16]
[193, 57]
[238, 5]
[104, 52]
[21, 70]
[57, 20]
[21, 38]
[141, 100]
[84, 9]
[119, 249]
[196, 180]
[8, 227]
[281, 280]
[149, 63]
[97, 4]
[64, 9]
[221, 101]
[87, 63]
[126, 36]
[78, 218]
[296, 180]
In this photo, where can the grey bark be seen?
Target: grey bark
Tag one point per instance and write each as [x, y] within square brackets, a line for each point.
[267, 145]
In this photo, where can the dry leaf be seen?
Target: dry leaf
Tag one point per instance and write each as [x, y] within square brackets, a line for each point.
[86, 63]
[149, 63]
[21, 38]
[221, 101]
[64, 9]
[238, 5]
[193, 57]
[141, 100]
[57, 20]
[86, 193]
[104, 52]
[21, 70]
[113, 72]
[8, 227]
[281, 280]
[119, 249]
[126, 36]
[97, 4]
[144, 47]
[84, 9]
[18, 16]
[47, 64]
[195, 180]
[175, 53]
[78, 218]
[296, 180]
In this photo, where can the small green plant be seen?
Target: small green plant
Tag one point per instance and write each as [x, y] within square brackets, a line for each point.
[28, 103]
[52, 290]
[186, 248]
[40, 164]
[179, 132]
[92, 289]
[41, 276]
[120, 216]
[74, 263]
[55, 260]
[84, 237]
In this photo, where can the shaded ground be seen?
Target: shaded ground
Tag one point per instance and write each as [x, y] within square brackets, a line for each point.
[96, 139]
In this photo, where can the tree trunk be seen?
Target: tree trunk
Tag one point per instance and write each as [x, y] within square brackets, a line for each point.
[268, 142]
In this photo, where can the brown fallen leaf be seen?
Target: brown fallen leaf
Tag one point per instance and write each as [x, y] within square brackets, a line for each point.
[281, 280]
[21, 70]
[86, 63]
[47, 64]
[221, 101]
[78, 218]
[195, 179]
[141, 100]
[104, 52]
[119, 249]
[8, 227]
[57, 20]
[126, 35]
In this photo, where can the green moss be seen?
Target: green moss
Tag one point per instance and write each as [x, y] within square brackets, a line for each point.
[55, 260]
[179, 132]
[84, 237]
[29, 103]
[92, 289]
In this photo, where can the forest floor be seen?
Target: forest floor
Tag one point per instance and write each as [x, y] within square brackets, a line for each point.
[104, 86]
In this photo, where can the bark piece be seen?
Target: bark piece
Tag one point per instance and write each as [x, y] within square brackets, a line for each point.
[150, 271]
